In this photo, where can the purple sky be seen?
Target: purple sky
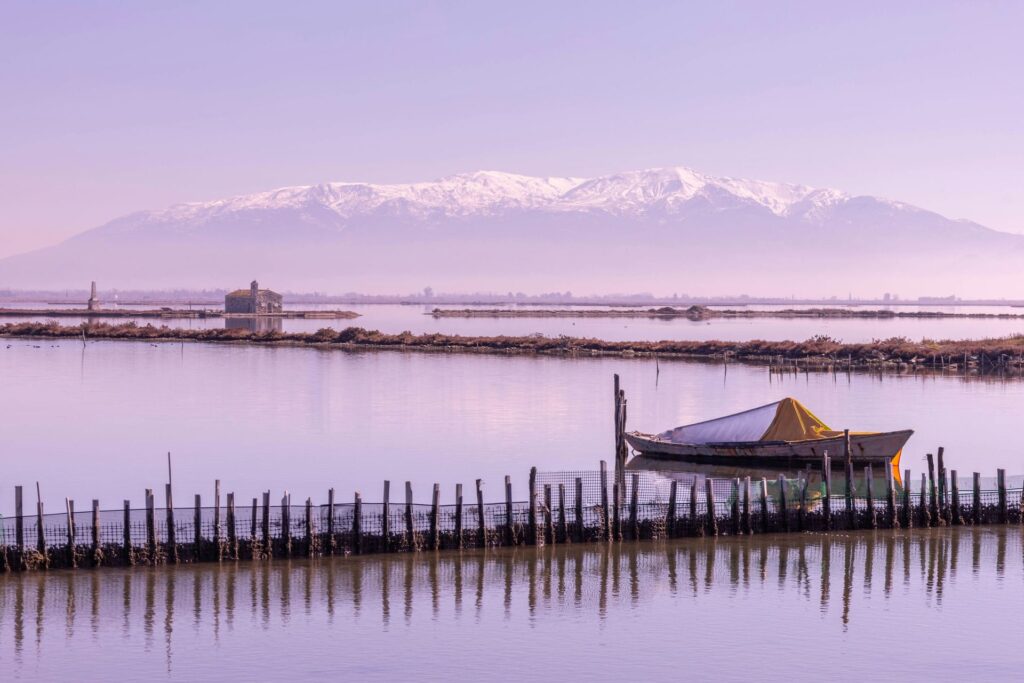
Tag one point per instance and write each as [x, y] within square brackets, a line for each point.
[113, 107]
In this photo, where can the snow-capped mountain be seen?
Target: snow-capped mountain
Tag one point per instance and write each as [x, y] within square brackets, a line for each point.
[666, 229]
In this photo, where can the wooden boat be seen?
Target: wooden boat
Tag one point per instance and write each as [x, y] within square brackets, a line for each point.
[780, 434]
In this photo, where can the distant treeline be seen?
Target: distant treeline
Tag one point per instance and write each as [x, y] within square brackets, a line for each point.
[894, 353]
[703, 313]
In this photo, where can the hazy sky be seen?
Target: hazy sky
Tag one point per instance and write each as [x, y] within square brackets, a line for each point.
[107, 108]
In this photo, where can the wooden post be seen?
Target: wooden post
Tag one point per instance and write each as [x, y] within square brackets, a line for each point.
[694, 522]
[129, 558]
[890, 496]
[926, 520]
[385, 520]
[670, 516]
[97, 554]
[908, 515]
[634, 507]
[410, 531]
[616, 511]
[19, 526]
[563, 531]
[253, 521]
[532, 522]
[172, 536]
[458, 518]
[748, 525]
[734, 508]
[605, 516]
[933, 493]
[40, 535]
[69, 509]
[943, 488]
[549, 525]
[481, 520]
[976, 502]
[331, 540]
[580, 522]
[826, 478]
[851, 510]
[286, 525]
[956, 518]
[197, 527]
[764, 504]
[435, 519]
[868, 476]
[308, 541]
[709, 495]
[1001, 485]
[217, 535]
[783, 507]
[357, 524]
[509, 531]
[268, 548]
[232, 530]
[150, 526]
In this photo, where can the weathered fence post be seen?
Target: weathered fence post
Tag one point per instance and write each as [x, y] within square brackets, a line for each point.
[532, 507]
[330, 544]
[908, 515]
[670, 516]
[826, 478]
[410, 531]
[40, 534]
[709, 495]
[217, 535]
[890, 496]
[549, 526]
[357, 523]
[253, 523]
[481, 521]
[933, 493]
[268, 548]
[1001, 486]
[69, 509]
[509, 531]
[957, 519]
[783, 507]
[926, 520]
[308, 541]
[563, 532]
[748, 525]
[579, 510]
[734, 508]
[286, 526]
[97, 554]
[19, 527]
[458, 517]
[385, 520]
[605, 515]
[695, 524]
[634, 507]
[870, 495]
[435, 518]
[172, 536]
[129, 558]
[232, 530]
[150, 526]
[197, 531]
[764, 505]
[851, 508]
[616, 511]
[976, 502]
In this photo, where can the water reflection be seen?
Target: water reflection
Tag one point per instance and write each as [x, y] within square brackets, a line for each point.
[256, 324]
[168, 611]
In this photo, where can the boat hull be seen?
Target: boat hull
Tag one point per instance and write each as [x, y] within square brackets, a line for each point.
[864, 449]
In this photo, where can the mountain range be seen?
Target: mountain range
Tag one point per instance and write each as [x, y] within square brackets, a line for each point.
[659, 230]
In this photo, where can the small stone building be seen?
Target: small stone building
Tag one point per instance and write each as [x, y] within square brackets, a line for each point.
[254, 301]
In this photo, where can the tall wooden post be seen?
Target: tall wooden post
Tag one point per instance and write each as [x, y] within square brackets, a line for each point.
[826, 478]
[580, 522]
[851, 509]
[933, 493]
[197, 528]
[481, 519]
[218, 536]
[908, 514]
[605, 516]
[172, 536]
[764, 505]
[549, 526]
[734, 508]
[286, 526]
[956, 517]
[309, 541]
[976, 516]
[330, 542]
[69, 508]
[532, 507]
[695, 524]
[890, 496]
[150, 527]
[357, 523]
[926, 518]
[19, 526]
[232, 530]
[509, 531]
[97, 554]
[458, 518]
[410, 531]
[563, 531]
[748, 526]
[435, 519]
[712, 518]
[1001, 486]
[385, 520]
[634, 504]
[268, 548]
[129, 557]
[868, 485]
[670, 516]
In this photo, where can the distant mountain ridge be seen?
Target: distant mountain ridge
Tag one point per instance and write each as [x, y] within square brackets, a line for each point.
[662, 230]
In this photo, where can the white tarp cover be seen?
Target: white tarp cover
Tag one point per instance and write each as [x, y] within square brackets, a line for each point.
[750, 425]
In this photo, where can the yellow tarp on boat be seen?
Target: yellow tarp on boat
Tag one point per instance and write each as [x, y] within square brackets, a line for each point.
[793, 422]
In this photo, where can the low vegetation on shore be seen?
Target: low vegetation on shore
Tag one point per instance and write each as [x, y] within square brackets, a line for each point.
[895, 353]
[703, 313]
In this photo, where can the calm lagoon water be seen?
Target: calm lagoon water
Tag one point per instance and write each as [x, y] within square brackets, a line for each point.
[415, 318]
[96, 421]
[921, 605]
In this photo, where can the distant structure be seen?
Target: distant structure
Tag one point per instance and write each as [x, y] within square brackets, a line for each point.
[94, 301]
[254, 301]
